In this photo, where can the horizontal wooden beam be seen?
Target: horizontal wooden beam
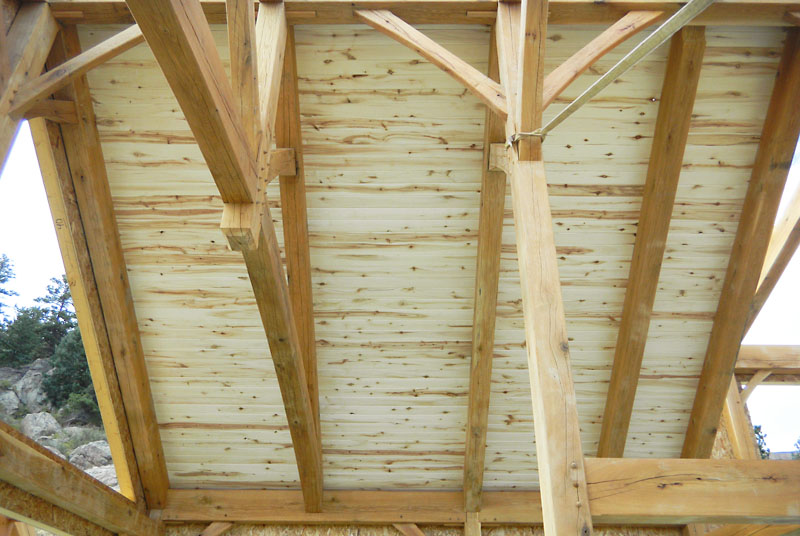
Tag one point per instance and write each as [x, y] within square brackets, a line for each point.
[621, 491]
[54, 79]
[59, 111]
[34, 469]
[18, 504]
[724, 12]
[477, 83]
[778, 359]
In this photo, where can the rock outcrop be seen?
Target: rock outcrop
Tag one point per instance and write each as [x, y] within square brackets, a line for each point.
[39, 425]
[94, 454]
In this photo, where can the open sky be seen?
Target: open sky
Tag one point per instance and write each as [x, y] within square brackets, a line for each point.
[29, 239]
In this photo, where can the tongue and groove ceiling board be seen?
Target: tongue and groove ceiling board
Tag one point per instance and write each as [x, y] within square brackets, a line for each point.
[393, 155]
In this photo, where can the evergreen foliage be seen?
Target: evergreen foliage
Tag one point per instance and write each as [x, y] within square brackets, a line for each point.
[6, 275]
[50, 330]
[761, 439]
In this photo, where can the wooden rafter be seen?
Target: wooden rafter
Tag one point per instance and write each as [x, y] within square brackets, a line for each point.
[773, 159]
[274, 304]
[661, 185]
[58, 183]
[619, 32]
[38, 89]
[27, 45]
[621, 491]
[782, 247]
[93, 197]
[288, 134]
[729, 12]
[181, 41]
[483, 87]
[487, 279]
[34, 469]
[193, 68]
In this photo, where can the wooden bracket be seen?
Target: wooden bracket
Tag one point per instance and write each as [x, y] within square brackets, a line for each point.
[498, 158]
[241, 222]
[60, 111]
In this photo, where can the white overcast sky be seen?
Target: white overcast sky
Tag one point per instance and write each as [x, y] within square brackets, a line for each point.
[28, 238]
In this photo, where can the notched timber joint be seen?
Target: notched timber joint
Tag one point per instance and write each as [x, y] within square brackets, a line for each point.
[241, 222]
[498, 158]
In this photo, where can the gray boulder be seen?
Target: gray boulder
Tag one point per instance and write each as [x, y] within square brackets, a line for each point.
[30, 392]
[41, 365]
[38, 425]
[55, 451]
[9, 403]
[10, 376]
[94, 454]
[105, 474]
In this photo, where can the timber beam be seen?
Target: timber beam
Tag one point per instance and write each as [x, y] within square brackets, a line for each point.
[24, 52]
[724, 12]
[781, 360]
[92, 195]
[621, 492]
[237, 154]
[32, 468]
[520, 38]
[773, 159]
[663, 172]
[38, 89]
[487, 279]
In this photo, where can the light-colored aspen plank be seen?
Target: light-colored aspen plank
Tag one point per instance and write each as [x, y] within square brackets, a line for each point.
[472, 527]
[661, 186]
[38, 89]
[483, 87]
[776, 149]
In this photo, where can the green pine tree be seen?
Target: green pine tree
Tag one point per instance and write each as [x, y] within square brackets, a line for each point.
[6, 275]
[22, 339]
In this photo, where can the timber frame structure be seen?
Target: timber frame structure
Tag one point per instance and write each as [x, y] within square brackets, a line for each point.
[639, 245]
